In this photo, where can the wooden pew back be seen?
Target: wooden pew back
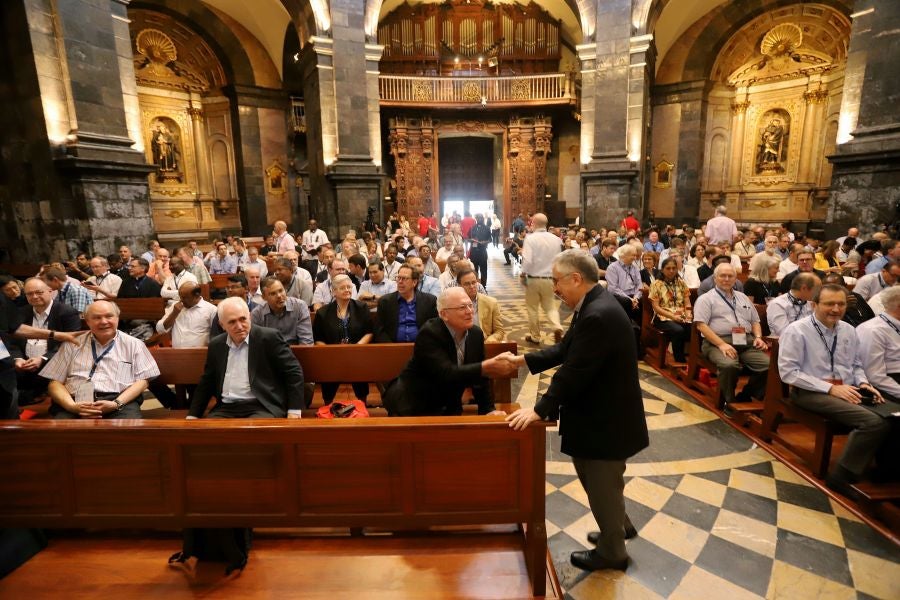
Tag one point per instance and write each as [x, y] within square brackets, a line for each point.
[394, 473]
[151, 309]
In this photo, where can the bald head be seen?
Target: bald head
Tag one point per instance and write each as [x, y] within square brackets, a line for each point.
[539, 221]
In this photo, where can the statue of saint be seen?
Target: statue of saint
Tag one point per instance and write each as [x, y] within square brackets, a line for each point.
[163, 146]
[770, 144]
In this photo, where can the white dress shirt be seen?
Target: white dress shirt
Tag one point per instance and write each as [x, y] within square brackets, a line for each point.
[538, 252]
[173, 282]
[879, 352]
[191, 327]
[784, 310]
[236, 383]
[786, 268]
[109, 284]
[38, 348]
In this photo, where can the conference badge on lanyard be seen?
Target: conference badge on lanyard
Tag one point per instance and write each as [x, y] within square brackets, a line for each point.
[738, 336]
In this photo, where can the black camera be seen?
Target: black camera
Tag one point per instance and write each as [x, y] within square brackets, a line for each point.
[868, 396]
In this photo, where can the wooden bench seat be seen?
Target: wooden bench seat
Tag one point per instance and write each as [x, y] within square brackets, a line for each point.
[777, 407]
[392, 473]
[148, 309]
[654, 340]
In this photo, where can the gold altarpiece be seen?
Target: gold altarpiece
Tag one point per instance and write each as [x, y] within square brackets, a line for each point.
[186, 130]
[526, 143]
[770, 126]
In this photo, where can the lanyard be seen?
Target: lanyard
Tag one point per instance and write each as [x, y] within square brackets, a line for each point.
[888, 321]
[831, 350]
[65, 292]
[97, 359]
[733, 307]
[881, 282]
[798, 307]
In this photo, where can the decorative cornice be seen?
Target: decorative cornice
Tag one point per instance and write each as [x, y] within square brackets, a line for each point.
[739, 108]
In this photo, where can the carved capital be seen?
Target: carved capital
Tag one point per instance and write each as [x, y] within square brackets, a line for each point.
[195, 113]
[739, 108]
[816, 97]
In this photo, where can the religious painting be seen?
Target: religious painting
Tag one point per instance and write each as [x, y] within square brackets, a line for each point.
[275, 178]
[662, 174]
[165, 148]
[772, 142]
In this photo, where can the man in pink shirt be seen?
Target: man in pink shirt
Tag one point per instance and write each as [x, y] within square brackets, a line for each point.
[284, 241]
[720, 228]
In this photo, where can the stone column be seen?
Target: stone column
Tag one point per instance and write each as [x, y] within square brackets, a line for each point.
[738, 127]
[865, 183]
[80, 179]
[609, 176]
[809, 149]
[204, 175]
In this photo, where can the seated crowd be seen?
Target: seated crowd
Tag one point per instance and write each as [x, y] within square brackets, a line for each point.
[831, 303]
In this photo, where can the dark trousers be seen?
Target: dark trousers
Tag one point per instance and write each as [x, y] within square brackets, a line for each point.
[329, 391]
[511, 251]
[167, 397]
[604, 483]
[678, 333]
[479, 263]
[9, 405]
[495, 237]
[240, 410]
[30, 386]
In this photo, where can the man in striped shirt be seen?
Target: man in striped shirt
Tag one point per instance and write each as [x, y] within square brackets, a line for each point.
[104, 375]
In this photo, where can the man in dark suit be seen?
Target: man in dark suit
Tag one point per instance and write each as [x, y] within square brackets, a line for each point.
[597, 393]
[250, 370]
[137, 284]
[30, 356]
[447, 359]
[403, 313]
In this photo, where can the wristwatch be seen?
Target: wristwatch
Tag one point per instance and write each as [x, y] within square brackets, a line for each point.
[51, 335]
[119, 404]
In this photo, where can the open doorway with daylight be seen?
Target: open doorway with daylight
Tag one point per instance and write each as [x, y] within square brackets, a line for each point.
[466, 174]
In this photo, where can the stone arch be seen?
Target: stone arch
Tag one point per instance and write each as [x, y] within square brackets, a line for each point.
[307, 18]
[219, 36]
[710, 35]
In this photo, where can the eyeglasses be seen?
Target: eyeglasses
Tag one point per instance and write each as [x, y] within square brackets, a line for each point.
[463, 307]
[556, 280]
[403, 278]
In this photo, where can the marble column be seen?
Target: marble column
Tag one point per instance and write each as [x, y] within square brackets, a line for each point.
[865, 183]
[738, 127]
[809, 148]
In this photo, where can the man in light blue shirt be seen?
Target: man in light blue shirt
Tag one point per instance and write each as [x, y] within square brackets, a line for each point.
[428, 285]
[793, 306]
[819, 357]
[889, 249]
[623, 279]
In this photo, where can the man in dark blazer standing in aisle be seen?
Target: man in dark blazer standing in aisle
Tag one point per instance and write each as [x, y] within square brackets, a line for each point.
[598, 396]
[250, 370]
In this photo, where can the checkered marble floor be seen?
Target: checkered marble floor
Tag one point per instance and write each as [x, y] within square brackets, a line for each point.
[717, 517]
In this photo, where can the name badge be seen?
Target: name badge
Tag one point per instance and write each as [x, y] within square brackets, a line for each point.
[738, 336]
[82, 391]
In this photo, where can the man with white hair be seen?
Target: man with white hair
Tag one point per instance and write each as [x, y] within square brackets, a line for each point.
[879, 346]
[102, 284]
[623, 279]
[448, 357]
[538, 252]
[721, 228]
[250, 370]
[284, 242]
[104, 375]
[732, 337]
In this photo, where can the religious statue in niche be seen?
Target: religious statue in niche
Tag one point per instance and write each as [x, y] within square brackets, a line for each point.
[165, 150]
[772, 150]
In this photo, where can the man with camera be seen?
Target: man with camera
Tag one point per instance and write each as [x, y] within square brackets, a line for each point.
[819, 358]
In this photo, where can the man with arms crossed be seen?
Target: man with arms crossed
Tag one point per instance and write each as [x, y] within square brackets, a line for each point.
[598, 397]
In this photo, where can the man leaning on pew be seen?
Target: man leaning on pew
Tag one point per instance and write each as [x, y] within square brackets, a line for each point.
[250, 370]
[102, 376]
[819, 357]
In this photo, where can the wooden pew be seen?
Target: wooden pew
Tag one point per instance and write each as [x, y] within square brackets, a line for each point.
[20, 271]
[697, 361]
[777, 407]
[394, 474]
[149, 309]
[369, 363]
[654, 340]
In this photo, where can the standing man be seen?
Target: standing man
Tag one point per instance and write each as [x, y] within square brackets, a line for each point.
[480, 236]
[283, 240]
[721, 228]
[598, 397]
[538, 252]
[250, 370]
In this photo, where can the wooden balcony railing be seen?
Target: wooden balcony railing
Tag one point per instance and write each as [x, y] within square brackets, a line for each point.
[456, 92]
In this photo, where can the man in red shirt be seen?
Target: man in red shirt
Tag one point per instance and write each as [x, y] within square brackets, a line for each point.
[629, 222]
[466, 225]
[423, 224]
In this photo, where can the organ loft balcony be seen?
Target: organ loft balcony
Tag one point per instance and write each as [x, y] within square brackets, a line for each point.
[477, 92]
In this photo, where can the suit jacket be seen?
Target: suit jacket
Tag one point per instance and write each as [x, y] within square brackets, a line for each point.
[432, 383]
[389, 314]
[596, 388]
[62, 317]
[489, 319]
[276, 378]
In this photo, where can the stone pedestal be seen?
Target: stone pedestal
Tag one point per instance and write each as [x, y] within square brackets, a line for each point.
[356, 184]
[608, 190]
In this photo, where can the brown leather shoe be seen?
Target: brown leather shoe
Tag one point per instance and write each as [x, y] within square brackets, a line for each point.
[558, 335]
[531, 340]
[590, 560]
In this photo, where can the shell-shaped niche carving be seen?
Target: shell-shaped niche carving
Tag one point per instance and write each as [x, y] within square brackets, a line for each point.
[781, 39]
[156, 45]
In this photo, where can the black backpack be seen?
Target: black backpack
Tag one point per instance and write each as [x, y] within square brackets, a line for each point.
[231, 546]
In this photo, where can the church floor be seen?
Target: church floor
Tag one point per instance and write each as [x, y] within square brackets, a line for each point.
[717, 516]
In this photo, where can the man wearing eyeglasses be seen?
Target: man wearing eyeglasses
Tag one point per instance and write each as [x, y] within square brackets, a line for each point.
[447, 359]
[805, 262]
[402, 314]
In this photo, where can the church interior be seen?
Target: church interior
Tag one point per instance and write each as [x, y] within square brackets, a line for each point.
[126, 121]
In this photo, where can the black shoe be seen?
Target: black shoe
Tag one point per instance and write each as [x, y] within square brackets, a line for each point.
[841, 481]
[594, 536]
[590, 560]
[728, 411]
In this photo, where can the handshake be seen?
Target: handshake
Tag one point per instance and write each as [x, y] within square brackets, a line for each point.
[502, 365]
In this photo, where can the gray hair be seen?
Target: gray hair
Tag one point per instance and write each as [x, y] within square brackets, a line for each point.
[578, 261]
[248, 268]
[890, 298]
[759, 266]
[444, 297]
[239, 303]
[90, 308]
[724, 265]
[628, 250]
[721, 210]
[339, 279]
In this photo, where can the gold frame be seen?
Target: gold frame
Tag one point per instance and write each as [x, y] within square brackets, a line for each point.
[662, 174]
[276, 178]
